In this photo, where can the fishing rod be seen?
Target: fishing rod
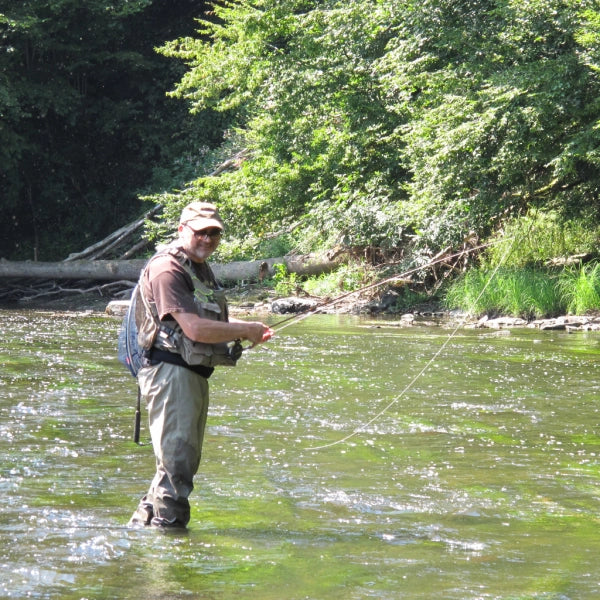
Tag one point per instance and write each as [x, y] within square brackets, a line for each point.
[303, 314]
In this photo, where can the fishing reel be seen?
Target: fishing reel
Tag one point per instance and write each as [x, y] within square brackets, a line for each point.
[235, 350]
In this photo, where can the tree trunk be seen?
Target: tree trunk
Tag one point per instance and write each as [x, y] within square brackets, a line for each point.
[114, 270]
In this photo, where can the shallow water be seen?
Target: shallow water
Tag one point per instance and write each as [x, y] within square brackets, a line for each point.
[476, 478]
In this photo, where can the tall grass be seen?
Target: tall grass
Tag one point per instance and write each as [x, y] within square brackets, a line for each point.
[580, 288]
[527, 292]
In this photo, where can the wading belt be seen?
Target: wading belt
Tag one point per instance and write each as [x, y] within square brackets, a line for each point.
[155, 356]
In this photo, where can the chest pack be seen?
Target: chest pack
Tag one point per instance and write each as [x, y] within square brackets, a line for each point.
[142, 330]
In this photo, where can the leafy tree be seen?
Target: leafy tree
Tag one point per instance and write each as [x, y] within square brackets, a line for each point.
[364, 121]
[369, 120]
[502, 110]
[85, 124]
[299, 77]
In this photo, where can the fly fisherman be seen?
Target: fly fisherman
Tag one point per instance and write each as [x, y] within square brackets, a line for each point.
[185, 330]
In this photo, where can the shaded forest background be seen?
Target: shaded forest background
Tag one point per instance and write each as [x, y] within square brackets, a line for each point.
[86, 125]
[372, 125]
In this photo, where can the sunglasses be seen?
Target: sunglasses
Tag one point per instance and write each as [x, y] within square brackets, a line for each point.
[210, 233]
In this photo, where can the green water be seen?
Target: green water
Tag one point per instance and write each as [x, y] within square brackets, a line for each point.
[481, 481]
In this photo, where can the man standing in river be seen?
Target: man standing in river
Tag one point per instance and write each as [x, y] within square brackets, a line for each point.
[185, 331]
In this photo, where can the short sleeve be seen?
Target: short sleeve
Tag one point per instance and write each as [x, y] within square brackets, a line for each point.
[169, 287]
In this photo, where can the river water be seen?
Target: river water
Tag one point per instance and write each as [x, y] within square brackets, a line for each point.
[346, 459]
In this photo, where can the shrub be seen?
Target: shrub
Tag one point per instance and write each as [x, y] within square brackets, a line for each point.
[349, 277]
[538, 237]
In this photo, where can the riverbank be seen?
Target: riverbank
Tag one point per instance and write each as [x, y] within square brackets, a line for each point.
[245, 303]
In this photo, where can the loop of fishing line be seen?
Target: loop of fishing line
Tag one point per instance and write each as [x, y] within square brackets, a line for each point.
[409, 386]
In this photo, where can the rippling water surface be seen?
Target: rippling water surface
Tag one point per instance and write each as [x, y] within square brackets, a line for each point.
[333, 467]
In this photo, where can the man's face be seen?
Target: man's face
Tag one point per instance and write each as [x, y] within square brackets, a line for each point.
[199, 244]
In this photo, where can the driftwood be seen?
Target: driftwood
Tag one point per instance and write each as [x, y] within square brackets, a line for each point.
[115, 270]
[116, 289]
[115, 239]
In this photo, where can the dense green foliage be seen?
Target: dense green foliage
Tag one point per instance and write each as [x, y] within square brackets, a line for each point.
[374, 123]
[84, 120]
[540, 237]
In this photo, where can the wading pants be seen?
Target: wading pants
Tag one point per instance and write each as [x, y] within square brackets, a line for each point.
[177, 401]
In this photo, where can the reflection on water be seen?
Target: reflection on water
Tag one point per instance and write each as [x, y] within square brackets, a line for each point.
[480, 481]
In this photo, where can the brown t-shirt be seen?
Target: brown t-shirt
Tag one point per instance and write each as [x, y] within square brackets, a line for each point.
[170, 287]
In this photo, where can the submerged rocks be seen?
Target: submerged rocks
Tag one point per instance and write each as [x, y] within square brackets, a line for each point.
[501, 322]
[569, 323]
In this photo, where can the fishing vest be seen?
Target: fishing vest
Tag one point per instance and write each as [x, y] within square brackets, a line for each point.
[167, 335]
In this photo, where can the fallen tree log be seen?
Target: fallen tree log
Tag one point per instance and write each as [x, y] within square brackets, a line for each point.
[97, 270]
[114, 270]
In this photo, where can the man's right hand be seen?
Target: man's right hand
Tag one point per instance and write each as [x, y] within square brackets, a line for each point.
[258, 333]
